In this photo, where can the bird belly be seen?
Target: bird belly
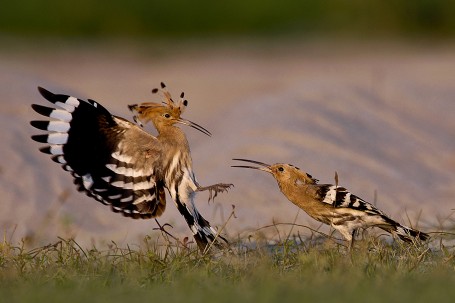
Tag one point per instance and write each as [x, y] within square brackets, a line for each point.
[346, 221]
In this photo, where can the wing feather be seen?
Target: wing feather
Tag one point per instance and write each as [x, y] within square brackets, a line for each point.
[111, 159]
[340, 197]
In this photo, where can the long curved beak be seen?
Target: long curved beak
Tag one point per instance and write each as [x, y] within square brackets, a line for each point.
[194, 125]
[263, 166]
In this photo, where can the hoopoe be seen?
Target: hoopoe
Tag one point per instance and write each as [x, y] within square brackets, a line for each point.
[119, 164]
[332, 204]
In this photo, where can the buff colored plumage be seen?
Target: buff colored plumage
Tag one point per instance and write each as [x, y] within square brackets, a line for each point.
[332, 204]
[119, 164]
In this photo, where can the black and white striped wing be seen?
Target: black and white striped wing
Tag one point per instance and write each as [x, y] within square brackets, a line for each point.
[343, 201]
[340, 197]
[110, 158]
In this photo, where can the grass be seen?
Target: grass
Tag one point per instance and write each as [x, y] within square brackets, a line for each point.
[316, 268]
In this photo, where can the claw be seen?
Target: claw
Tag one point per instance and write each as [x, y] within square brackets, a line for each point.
[215, 189]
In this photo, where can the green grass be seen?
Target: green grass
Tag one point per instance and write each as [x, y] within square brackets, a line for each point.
[314, 269]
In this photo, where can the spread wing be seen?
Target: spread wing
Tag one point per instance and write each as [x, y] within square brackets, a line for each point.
[340, 197]
[110, 158]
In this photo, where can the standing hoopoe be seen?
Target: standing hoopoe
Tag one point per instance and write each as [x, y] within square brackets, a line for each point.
[332, 204]
[117, 163]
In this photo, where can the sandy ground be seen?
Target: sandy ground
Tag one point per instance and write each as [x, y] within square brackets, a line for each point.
[382, 117]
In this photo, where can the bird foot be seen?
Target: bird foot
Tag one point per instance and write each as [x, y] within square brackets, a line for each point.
[215, 189]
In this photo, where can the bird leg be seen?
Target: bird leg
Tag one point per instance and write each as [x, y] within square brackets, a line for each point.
[215, 189]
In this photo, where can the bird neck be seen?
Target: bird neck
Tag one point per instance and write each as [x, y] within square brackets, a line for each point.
[177, 162]
[173, 137]
[293, 188]
[287, 188]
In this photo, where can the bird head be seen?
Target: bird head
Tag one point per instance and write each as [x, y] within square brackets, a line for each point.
[283, 173]
[164, 114]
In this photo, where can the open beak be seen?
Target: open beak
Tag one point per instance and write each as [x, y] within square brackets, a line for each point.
[195, 126]
[263, 166]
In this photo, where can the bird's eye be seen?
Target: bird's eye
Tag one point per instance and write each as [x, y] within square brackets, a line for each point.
[167, 116]
[281, 168]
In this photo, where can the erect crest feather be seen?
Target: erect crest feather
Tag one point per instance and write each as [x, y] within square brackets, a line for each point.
[145, 109]
[180, 105]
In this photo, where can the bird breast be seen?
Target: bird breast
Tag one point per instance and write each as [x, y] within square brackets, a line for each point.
[305, 197]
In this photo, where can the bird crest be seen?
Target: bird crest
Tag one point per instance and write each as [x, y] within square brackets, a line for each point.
[176, 108]
[179, 106]
[168, 108]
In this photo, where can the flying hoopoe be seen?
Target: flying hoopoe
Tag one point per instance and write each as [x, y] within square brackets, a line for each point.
[119, 164]
[332, 204]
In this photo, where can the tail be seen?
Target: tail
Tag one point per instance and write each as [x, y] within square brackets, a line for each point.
[405, 233]
[204, 234]
[408, 234]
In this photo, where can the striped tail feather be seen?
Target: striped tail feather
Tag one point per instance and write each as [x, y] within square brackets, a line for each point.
[408, 234]
[203, 232]
[405, 233]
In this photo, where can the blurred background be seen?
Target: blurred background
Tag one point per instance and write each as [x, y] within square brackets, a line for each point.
[364, 88]
[145, 20]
